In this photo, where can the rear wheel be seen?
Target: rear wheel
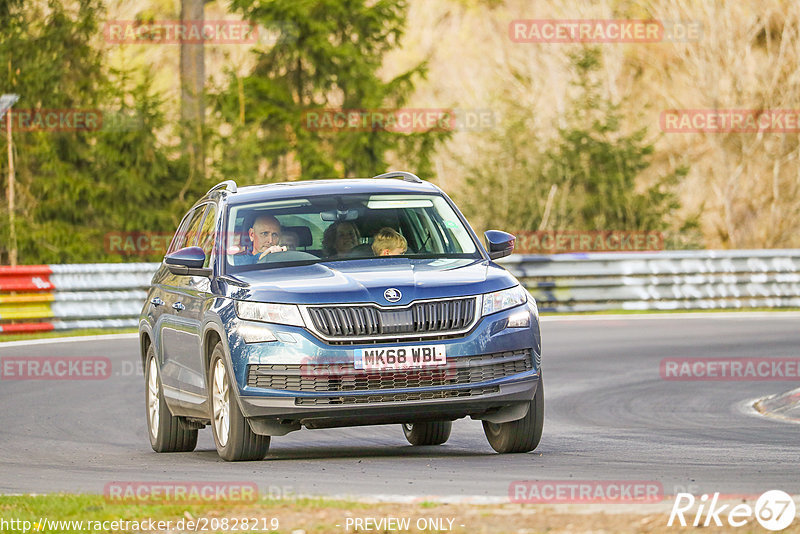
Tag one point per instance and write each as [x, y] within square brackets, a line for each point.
[167, 433]
[233, 437]
[522, 435]
[434, 433]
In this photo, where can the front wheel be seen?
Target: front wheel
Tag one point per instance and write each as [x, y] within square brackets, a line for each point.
[522, 435]
[167, 433]
[233, 436]
[434, 433]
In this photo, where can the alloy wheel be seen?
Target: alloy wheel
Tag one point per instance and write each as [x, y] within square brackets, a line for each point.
[221, 403]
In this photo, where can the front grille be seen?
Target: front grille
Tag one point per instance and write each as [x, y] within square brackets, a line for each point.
[432, 317]
[390, 340]
[395, 397]
[346, 378]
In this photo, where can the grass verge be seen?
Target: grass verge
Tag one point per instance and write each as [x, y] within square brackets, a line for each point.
[67, 333]
[317, 515]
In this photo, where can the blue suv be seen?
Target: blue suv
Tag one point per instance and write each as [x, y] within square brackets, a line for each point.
[337, 303]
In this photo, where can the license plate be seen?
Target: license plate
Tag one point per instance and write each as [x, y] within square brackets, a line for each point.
[391, 358]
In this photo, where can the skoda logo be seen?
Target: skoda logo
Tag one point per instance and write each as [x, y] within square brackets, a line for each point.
[392, 294]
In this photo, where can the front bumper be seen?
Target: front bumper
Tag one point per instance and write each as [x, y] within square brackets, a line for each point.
[299, 349]
[491, 401]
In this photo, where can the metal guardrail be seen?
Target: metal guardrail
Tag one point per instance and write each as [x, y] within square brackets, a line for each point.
[38, 298]
[62, 297]
[669, 280]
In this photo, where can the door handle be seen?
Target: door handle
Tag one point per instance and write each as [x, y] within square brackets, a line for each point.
[156, 301]
[178, 306]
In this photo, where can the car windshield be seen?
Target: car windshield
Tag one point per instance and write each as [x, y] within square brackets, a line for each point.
[344, 227]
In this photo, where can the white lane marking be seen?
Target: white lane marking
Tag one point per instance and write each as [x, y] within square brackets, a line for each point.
[748, 407]
[695, 315]
[46, 341]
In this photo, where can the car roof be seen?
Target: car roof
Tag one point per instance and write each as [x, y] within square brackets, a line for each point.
[283, 190]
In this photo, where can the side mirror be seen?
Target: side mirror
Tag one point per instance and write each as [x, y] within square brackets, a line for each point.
[187, 262]
[499, 244]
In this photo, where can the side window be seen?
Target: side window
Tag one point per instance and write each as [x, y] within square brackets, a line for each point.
[179, 239]
[193, 230]
[188, 230]
[206, 239]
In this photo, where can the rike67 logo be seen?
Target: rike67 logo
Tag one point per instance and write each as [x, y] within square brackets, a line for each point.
[774, 510]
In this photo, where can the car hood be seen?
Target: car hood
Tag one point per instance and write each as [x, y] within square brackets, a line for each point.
[367, 280]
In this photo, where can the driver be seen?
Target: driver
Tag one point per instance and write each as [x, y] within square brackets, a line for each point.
[265, 234]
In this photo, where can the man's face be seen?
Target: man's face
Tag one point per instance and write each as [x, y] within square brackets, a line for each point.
[265, 233]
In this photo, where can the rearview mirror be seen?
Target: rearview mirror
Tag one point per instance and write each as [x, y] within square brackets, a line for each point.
[339, 215]
[499, 244]
[187, 261]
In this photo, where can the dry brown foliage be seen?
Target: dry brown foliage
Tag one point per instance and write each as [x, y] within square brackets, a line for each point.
[746, 185]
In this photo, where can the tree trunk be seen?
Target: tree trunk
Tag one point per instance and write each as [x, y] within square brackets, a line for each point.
[192, 81]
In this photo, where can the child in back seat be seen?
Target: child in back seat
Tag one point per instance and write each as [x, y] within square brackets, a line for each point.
[389, 242]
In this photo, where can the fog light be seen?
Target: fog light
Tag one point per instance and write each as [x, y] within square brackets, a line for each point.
[521, 319]
[255, 334]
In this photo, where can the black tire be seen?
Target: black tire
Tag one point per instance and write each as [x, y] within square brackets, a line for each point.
[167, 432]
[240, 443]
[434, 433]
[522, 435]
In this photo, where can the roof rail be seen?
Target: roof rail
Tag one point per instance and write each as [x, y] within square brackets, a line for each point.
[229, 185]
[405, 176]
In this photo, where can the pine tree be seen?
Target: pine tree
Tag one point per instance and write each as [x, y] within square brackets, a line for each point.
[328, 56]
[595, 165]
[587, 178]
[77, 186]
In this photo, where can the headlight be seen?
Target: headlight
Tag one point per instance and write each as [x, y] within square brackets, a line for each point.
[502, 300]
[269, 313]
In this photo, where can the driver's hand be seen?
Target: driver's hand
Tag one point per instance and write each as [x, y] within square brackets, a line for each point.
[273, 248]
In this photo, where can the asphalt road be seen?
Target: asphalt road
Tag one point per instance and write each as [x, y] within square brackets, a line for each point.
[609, 416]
